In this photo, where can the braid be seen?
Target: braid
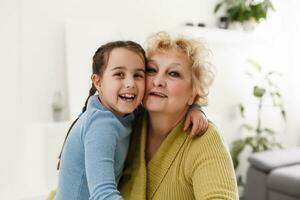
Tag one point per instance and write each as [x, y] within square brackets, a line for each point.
[100, 60]
[93, 90]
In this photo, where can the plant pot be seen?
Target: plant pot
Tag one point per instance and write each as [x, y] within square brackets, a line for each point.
[235, 26]
[57, 115]
[250, 25]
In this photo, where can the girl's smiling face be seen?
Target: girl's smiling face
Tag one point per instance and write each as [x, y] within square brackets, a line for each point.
[122, 84]
[168, 82]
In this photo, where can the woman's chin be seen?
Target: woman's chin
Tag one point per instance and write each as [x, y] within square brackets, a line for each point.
[152, 107]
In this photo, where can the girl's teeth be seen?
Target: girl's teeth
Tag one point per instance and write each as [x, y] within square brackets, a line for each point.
[127, 97]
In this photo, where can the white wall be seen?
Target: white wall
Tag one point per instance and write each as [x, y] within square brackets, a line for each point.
[10, 87]
[33, 67]
[42, 57]
[43, 50]
[290, 66]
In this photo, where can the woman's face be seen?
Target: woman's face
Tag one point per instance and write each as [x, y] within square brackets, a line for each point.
[168, 83]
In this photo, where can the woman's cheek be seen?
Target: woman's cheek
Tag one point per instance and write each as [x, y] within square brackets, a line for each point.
[148, 82]
[178, 88]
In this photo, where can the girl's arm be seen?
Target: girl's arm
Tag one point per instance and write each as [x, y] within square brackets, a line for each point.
[100, 144]
[197, 119]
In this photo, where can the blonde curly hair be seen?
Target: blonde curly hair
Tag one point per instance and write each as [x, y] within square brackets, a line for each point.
[196, 52]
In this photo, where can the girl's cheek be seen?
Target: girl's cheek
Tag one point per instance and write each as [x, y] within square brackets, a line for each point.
[142, 86]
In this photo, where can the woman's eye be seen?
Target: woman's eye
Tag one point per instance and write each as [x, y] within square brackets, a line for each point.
[150, 70]
[174, 74]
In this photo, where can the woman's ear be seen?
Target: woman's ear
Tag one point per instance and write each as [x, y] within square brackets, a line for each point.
[96, 79]
[192, 99]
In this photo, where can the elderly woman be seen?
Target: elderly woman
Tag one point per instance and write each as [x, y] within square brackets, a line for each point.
[163, 163]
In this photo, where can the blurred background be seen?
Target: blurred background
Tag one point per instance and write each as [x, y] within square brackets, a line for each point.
[45, 65]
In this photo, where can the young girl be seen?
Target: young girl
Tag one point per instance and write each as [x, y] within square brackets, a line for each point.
[95, 150]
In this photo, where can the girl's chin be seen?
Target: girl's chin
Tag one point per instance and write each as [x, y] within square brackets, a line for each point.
[125, 111]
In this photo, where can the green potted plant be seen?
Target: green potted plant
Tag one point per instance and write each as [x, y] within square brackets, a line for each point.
[57, 107]
[258, 137]
[249, 13]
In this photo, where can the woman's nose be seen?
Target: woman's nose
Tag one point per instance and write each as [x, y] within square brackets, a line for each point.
[159, 81]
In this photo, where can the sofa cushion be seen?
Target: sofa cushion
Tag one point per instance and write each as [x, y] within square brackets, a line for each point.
[268, 160]
[279, 196]
[256, 185]
[285, 180]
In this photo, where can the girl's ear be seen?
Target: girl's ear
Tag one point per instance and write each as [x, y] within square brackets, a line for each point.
[96, 79]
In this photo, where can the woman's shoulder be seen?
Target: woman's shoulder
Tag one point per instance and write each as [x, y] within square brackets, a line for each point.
[211, 142]
[212, 135]
[209, 148]
[208, 158]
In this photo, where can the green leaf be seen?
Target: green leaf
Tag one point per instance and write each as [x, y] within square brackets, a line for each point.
[233, 14]
[266, 146]
[276, 94]
[247, 127]
[283, 114]
[242, 110]
[218, 7]
[251, 142]
[268, 130]
[271, 73]
[258, 91]
[276, 144]
[263, 144]
[249, 74]
[236, 149]
[256, 65]
[269, 4]
[242, 10]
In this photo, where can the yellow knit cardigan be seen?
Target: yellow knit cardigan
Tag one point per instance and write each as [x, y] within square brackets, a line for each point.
[181, 169]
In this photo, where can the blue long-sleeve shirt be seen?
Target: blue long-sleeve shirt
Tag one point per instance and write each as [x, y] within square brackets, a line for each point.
[94, 154]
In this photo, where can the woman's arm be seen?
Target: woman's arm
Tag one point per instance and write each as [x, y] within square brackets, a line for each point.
[100, 144]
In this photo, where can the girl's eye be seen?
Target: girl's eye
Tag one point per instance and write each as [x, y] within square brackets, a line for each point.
[139, 75]
[174, 74]
[150, 70]
[119, 75]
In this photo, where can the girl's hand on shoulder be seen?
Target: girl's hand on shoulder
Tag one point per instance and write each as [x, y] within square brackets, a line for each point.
[198, 121]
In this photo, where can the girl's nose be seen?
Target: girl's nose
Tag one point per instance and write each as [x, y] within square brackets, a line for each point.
[129, 83]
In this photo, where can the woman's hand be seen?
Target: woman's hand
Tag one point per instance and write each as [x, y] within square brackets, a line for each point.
[199, 123]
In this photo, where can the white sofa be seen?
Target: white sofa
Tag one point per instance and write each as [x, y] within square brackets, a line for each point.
[274, 175]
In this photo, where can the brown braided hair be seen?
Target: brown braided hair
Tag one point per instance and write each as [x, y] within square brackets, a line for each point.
[100, 60]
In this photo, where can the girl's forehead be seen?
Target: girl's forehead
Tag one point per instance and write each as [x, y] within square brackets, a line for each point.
[124, 59]
[123, 55]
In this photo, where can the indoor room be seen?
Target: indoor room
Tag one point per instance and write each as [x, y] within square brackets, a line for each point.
[254, 101]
